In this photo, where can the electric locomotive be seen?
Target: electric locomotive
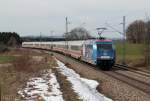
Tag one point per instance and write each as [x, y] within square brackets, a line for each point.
[99, 52]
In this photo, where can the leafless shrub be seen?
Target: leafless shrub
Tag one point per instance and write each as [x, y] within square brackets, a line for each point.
[22, 63]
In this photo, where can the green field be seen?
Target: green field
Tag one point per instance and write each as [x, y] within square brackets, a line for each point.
[133, 52]
[5, 59]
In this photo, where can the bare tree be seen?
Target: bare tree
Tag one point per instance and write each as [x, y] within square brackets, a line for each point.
[135, 31]
[79, 33]
[139, 32]
[147, 43]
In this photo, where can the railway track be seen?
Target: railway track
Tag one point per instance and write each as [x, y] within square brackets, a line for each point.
[126, 76]
[141, 85]
[133, 73]
[136, 83]
[136, 70]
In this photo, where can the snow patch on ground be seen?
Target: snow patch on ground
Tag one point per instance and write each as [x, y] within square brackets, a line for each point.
[45, 88]
[37, 58]
[86, 89]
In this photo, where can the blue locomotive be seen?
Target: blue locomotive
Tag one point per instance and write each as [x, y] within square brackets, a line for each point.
[99, 52]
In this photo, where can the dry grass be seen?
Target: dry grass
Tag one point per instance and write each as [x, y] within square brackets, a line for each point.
[20, 51]
[134, 55]
[66, 87]
[11, 80]
[22, 63]
[28, 63]
[14, 77]
[5, 59]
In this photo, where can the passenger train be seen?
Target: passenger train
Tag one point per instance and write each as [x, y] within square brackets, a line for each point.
[100, 52]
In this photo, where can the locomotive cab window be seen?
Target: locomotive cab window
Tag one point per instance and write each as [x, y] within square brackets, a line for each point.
[104, 46]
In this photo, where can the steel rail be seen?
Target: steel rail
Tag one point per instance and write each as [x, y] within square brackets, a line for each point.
[133, 69]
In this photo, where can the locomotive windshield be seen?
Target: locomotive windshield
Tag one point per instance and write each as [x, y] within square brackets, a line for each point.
[104, 46]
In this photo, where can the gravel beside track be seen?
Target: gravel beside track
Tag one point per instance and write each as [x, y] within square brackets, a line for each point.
[113, 88]
[143, 86]
[137, 70]
[134, 70]
[137, 76]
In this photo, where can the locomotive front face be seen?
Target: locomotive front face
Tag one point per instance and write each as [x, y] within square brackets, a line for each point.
[105, 53]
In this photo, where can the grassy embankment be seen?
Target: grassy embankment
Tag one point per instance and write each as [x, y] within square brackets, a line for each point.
[24, 65]
[134, 54]
[6, 59]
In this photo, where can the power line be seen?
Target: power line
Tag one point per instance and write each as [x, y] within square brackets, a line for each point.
[123, 33]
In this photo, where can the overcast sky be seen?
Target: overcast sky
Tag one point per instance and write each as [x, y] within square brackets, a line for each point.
[30, 17]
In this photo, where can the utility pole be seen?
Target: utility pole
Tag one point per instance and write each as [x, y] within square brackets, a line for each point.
[146, 41]
[66, 36]
[40, 37]
[52, 39]
[124, 40]
[66, 33]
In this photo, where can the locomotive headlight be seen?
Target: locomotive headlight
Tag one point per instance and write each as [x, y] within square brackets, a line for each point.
[105, 57]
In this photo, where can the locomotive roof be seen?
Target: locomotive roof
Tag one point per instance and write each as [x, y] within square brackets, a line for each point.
[105, 40]
[97, 40]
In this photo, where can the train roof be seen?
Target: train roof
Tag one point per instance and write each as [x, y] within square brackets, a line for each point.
[76, 43]
[97, 40]
[105, 40]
